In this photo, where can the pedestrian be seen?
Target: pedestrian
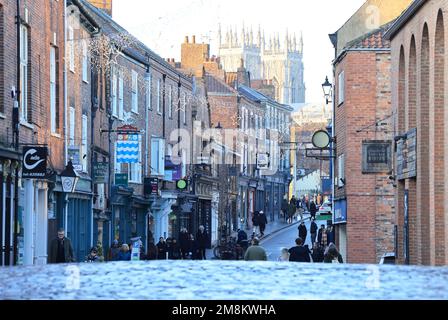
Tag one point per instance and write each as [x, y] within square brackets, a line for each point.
[318, 253]
[299, 209]
[330, 235]
[114, 251]
[332, 255]
[292, 209]
[193, 248]
[93, 255]
[125, 253]
[255, 252]
[152, 252]
[319, 199]
[256, 223]
[202, 241]
[284, 255]
[162, 249]
[61, 249]
[262, 221]
[284, 209]
[313, 209]
[184, 243]
[299, 253]
[322, 236]
[313, 230]
[303, 232]
[174, 250]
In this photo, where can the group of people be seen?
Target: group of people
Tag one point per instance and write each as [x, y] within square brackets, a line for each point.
[296, 207]
[259, 221]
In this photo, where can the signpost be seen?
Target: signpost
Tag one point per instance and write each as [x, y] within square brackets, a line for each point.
[34, 162]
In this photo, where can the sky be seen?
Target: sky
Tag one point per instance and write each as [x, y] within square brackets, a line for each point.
[163, 25]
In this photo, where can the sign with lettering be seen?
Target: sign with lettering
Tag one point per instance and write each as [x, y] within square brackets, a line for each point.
[74, 154]
[34, 162]
[407, 156]
[121, 179]
[100, 171]
[376, 156]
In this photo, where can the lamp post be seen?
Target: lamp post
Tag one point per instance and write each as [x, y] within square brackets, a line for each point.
[69, 180]
[327, 88]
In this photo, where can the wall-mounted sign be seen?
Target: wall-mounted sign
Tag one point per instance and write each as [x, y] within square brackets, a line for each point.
[151, 186]
[121, 179]
[34, 162]
[100, 171]
[340, 212]
[263, 161]
[376, 156]
[128, 148]
[407, 156]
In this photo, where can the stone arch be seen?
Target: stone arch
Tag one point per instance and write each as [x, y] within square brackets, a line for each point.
[439, 136]
[423, 165]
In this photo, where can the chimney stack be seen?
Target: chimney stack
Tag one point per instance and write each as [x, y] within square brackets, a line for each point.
[194, 39]
[186, 39]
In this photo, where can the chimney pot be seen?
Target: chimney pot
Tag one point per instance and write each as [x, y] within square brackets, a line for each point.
[186, 39]
[194, 39]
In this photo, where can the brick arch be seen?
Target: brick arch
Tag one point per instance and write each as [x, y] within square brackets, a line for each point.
[423, 179]
[411, 123]
[439, 137]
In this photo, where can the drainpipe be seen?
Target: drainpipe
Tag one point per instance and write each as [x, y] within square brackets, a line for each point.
[65, 113]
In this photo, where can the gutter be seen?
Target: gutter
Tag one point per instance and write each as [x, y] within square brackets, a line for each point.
[404, 18]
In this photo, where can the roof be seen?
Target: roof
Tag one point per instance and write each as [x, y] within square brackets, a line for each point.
[216, 85]
[141, 51]
[258, 97]
[404, 18]
[231, 78]
[371, 40]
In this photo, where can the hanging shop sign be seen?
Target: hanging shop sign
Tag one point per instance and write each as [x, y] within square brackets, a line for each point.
[100, 172]
[34, 162]
[128, 148]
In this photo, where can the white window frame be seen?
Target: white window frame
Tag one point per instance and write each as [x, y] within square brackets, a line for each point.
[24, 57]
[170, 101]
[135, 169]
[72, 121]
[159, 96]
[71, 48]
[184, 163]
[85, 63]
[184, 107]
[53, 85]
[148, 92]
[114, 97]
[157, 157]
[120, 97]
[341, 170]
[341, 88]
[84, 148]
[134, 107]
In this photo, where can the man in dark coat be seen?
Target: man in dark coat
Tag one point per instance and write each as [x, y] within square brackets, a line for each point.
[331, 235]
[299, 253]
[202, 242]
[184, 243]
[318, 253]
[61, 250]
[303, 232]
[313, 210]
[174, 250]
[161, 249]
[256, 222]
[313, 231]
[262, 221]
[292, 209]
[285, 206]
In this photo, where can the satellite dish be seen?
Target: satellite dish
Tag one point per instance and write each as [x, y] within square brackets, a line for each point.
[321, 139]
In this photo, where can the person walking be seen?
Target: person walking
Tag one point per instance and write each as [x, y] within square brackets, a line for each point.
[303, 232]
[256, 223]
[313, 209]
[299, 209]
[162, 249]
[330, 235]
[255, 252]
[184, 243]
[292, 209]
[113, 251]
[285, 206]
[125, 253]
[313, 230]
[152, 252]
[93, 256]
[299, 253]
[262, 222]
[193, 248]
[61, 249]
[284, 255]
[318, 253]
[202, 242]
[332, 255]
[322, 236]
[174, 251]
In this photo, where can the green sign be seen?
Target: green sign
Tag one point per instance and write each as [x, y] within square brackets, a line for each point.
[181, 184]
[121, 179]
[100, 171]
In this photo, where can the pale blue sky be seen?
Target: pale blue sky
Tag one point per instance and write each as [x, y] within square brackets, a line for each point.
[163, 25]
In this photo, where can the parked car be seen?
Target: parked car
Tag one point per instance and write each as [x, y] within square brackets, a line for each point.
[388, 258]
[325, 209]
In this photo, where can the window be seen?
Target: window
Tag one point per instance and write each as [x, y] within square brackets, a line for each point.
[85, 62]
[72, 127]
[120, 98]
[84, 150]
[158, 157]
[184, 163]
[71, 48]
[341, 171]
[184, 108]
[24, 73]
[148, 91]
[170, 101]
[134, 91]
[159, 96]
[53, 93]
[135, 169]
[114, 93]
[341, 87]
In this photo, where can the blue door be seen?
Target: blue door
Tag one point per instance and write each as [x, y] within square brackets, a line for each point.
[79, 226]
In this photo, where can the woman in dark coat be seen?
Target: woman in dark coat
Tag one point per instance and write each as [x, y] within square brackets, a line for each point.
[303, 232]
[152, 251]
[174, 251]
[162, 249]
[332, 255]
[313, 209]
[184, 243]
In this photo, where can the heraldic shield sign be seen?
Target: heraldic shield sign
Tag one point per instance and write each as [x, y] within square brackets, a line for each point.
[34, 162]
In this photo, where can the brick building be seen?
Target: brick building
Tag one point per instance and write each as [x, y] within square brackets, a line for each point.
[364, 209]
[419, 83]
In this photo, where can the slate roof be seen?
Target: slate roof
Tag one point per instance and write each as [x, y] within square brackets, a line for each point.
[216, 85]
[372, 40]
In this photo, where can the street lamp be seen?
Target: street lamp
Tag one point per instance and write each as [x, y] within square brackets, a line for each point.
[327, 86]
[69, 178]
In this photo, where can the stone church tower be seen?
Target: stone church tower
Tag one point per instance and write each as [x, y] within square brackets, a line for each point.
[105, 5]
[273, 61]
